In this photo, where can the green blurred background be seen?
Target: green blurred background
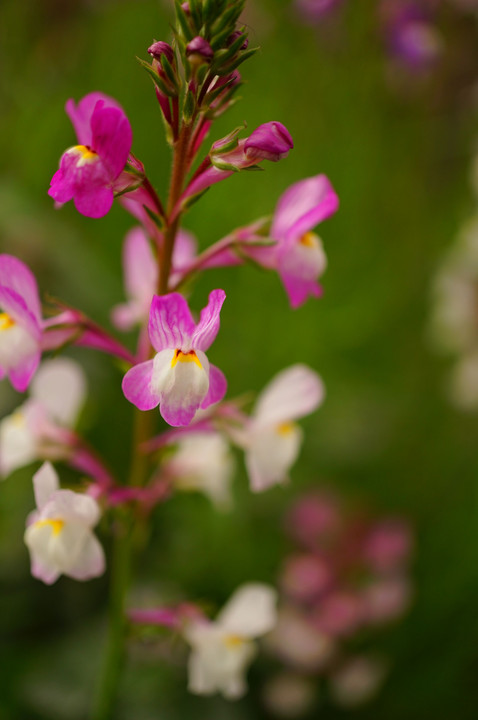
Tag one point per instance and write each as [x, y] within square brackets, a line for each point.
[398, 155]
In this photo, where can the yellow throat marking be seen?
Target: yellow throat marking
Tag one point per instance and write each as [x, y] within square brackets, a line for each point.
[309, 240]
[188, 357]
[87, 154]
[233, 641]
[56, 525]
[6, 322]
[285, 428]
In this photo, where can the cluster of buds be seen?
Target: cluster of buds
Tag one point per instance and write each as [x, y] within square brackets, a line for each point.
[454, 317]
[347, 575]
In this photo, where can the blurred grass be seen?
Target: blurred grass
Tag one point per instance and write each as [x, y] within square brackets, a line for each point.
[385, 435]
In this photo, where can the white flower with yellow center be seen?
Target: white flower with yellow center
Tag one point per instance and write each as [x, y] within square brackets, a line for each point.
[222, 650]
[59, 533]
[272, 440]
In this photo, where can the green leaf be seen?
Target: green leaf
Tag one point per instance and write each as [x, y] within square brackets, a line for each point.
[189, 105]
[169, 70]
[238, 61]
[183, 21]
[195, 9]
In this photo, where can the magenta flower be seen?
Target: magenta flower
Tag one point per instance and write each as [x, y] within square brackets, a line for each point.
[88, 170]
[300, 258]
[20, 322]
[179, 378]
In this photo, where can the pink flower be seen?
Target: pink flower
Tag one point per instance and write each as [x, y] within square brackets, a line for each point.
[179, 378]
[299, 255]
[88, 170]
[59, 532]
[20, 322]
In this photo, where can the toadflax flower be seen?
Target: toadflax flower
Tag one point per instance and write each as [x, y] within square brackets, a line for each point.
[20, 322]
[37, 428]
[299, 256]
[59, 532]
[222, 650]
[271, 439]
[88, 170]
[179, 379]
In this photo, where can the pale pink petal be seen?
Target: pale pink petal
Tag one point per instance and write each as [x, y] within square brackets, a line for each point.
[292, 394]
[303, 206]
[126, 315]
[208, 326]
[298, 289]
[185, 250]
[45, 483]
[217, 387]
[170, 322]
[251, 611]
[15, 305]
[90, 562]
[69, 505]
[21, 375]
[140, 267]
[183, 386]
[60, 387]
[137, 386]
[16, 276]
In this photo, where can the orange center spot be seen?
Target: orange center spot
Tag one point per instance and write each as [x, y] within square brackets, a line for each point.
[309, 240]
[285, 428]
[6, 321]
[233, 641]
[188, 357]
[56, 525]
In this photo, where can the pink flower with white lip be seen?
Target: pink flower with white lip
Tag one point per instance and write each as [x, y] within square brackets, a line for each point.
[59, 532]
[179, 379]
[20, 322]
[88, 170]
[271, 439]
[140, 269]
[222, 650]
[36, 429]
[300, 258]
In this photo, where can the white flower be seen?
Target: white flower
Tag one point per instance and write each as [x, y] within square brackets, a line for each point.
[272, 440]
[222, 650]
[59, 533]
[203, 461]
[57, 392]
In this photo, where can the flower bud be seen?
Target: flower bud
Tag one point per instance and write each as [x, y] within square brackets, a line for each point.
[236, 34]
[200, 49]
[157, 49]
[271, 141]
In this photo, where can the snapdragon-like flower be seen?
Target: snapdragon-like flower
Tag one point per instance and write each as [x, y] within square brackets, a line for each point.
[299, 256]
[20, 322]
[203, 461]
[271, 438]
[223, 649]
[179, 379]
[36, 429]
[88, 170]
[59, 532]
[140, 269]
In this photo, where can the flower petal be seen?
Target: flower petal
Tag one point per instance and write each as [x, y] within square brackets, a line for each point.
[45, 483]
[291, 394]
[81, 114]
[170, 323]
[94, 201]
[183, 386]
[91, 561]
[251, 611]
[16, 276]
[137, 386]
[22, 373]
[303, 206]
[217, 387]
[60, 387]
[139, 267]
[270, 454]
[112, 137]
[208, 326]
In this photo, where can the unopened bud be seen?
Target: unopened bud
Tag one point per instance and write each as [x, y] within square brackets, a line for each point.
[236, 34]
[157, 49]
[200, 47]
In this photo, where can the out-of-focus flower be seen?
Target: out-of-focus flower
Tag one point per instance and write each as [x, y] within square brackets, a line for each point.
[203, 461]
[59, 532]
[299, 643]
[357, 680]
[412, 36]
[89, 170]
[222, 650]
[140, 270]
[289, 695]
[314, 520]
[388, 545]
[179, 378]
[305, 577]
[316, 10]
[37, 428]
[20, 322]
[271, 438]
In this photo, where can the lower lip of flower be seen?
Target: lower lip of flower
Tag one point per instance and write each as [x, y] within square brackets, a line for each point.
[188, 357]
[309, 240]
[6, 322]
[233, 641]
[87, 155]
[56, 525]
[285, 428]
